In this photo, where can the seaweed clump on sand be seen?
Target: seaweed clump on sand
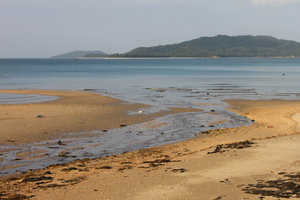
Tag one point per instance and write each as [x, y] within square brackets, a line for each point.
[286, 187]
[237, 145]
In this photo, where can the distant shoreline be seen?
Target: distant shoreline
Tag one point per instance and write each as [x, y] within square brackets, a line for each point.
[140, 58]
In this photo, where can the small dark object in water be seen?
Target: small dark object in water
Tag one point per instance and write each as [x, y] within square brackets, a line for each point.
[253, 120]
[202, 126]
[104, 131]
[212, 110]
[39, 116]
[207, 93]
[162, 133]
[123, 125]
[205, 132]
[283, 74]
[60, 142]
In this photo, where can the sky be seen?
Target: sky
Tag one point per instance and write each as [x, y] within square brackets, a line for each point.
[43, 28]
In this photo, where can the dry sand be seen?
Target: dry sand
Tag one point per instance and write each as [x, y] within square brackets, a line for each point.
[260, 161]
[72, 112]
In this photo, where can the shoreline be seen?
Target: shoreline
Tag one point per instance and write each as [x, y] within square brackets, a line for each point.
[141, 58]
[73, 111]
[183, 169]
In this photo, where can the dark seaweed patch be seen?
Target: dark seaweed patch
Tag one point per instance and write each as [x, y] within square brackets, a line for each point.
[237, 145]
[286, 187]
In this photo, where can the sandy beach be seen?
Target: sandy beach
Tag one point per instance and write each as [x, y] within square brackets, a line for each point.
[260, 161]
[73, 112]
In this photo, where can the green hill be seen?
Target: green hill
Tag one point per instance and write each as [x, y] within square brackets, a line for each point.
[78, 54]
[222, 46]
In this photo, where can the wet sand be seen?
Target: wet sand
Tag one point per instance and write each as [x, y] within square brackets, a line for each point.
[72, 112]
[260, 161]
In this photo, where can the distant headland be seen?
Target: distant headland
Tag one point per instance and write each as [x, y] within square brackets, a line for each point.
[214, 47]
[79, 54]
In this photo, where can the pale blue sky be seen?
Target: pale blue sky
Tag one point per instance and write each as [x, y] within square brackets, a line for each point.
[42, 28]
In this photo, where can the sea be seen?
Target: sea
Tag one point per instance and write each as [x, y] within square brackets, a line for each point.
[202, 83]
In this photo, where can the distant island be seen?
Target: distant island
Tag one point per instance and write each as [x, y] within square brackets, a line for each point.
[217, 46]
[222, 46]
[80, 54]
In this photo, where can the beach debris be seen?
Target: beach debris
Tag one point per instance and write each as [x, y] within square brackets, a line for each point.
[205, 132]
[237, 145]
[220, 197]
[269, 126]
[11, 141]
[39, 116]
[141, 111]
[60, 142]
[287, 186]
[125, 167]
[123, 125]
[123, 163]
[104, 167]
[16, 196]
[181, 170]
[226, 181]
[66, 154]
[36, 179]
[69, 169]
[158, 162]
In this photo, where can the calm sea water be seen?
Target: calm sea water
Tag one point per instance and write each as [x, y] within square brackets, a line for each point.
[195, 83]
[118, 77]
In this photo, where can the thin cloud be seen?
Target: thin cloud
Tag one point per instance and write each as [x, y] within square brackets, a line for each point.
[272, 2]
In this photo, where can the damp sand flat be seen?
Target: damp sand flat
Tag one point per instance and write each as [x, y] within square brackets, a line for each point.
[104, 126]
[260, 160]
[72, 112]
